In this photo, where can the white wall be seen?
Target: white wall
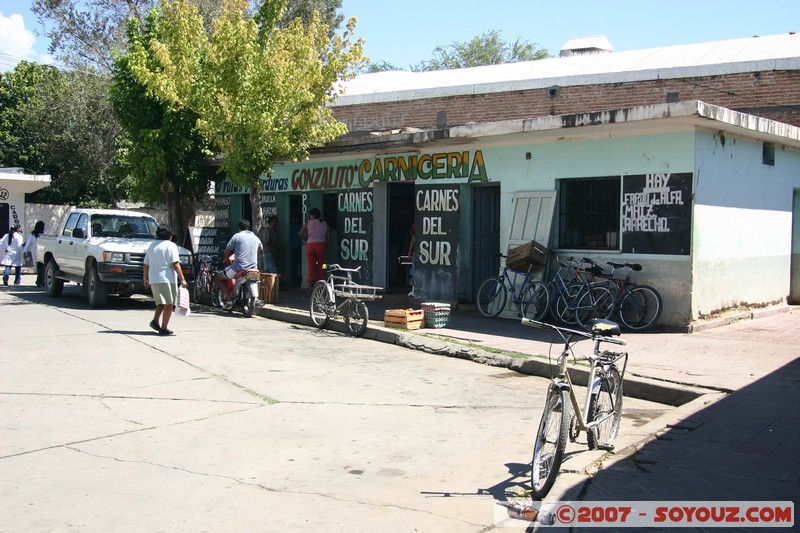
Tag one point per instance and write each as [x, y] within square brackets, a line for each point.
[742, 225]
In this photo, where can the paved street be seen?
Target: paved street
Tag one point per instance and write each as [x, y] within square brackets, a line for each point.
[248, 425]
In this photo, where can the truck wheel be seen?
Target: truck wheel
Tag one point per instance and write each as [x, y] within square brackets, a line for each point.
[52, 284]
[98, 290]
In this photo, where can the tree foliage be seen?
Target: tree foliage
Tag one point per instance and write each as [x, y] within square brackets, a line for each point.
[260, 92]
[17, 88]
[164, 151]
[60, 123]
[85, 33]
[486, 49]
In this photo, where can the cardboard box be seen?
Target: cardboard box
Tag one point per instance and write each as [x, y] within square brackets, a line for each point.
[403, 318]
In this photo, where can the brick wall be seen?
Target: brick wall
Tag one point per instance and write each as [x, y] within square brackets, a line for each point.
[773, 94]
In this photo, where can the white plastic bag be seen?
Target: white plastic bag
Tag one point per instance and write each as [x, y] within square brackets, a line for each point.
[183, 302]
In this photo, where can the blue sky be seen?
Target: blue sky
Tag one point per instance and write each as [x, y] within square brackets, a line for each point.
[406, 32]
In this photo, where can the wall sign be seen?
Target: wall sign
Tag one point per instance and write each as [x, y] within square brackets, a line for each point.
[657, 214]
[354, 220]
[269, 206]
[436, 242]
[209, 243]
[222, 211]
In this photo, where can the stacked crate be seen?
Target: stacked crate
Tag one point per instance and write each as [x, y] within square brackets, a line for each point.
[437, 314]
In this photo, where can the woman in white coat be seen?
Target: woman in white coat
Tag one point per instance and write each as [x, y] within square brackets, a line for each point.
[32, 247]
[11, 244]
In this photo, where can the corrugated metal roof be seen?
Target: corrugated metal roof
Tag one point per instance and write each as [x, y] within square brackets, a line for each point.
[772, 52]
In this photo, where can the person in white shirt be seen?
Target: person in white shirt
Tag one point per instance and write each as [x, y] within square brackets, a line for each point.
[12, 244]
[162, 269]
[32, 247]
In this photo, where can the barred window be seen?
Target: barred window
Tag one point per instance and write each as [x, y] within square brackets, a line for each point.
[588, 213]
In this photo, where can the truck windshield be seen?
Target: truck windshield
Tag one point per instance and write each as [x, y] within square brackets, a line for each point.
[123, 226]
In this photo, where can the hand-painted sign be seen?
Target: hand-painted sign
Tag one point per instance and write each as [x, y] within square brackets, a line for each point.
[657, 214]
[355, 208]
[436, 241]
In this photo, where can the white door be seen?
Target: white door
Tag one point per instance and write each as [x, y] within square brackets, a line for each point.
[531, 220]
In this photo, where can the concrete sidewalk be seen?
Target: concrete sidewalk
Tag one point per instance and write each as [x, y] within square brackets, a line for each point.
[734, 435]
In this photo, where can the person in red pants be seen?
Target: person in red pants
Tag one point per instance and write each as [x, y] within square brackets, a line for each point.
[316, 233]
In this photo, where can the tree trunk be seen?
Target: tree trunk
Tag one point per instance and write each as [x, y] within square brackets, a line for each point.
[175, 216]
[255, 203]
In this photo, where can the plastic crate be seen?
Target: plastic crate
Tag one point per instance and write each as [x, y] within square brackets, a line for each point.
[437, 314]
[528, 255]
[403, 318]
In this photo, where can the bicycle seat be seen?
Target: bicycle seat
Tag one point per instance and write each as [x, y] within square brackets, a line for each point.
[636, 267]
[600, 326]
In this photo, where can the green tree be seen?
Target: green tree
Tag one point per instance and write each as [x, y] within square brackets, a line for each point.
[71, 122]
[380, 66]
[17, 88]
[164, 151]
[486, 49]
[59, 123]
[85, 33]
[260, 93]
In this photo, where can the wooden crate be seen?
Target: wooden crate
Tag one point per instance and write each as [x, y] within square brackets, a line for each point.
[528, 255]
[268, 288]
[403, 318]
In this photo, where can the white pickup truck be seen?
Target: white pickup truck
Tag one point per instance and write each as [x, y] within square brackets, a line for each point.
[103, 251]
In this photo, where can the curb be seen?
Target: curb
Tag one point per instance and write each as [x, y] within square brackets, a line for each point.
[674, 394]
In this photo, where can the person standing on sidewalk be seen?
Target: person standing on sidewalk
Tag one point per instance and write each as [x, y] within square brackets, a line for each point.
[316, 233]
[162, 270]
[11, 244]
[272, 245]
[32, 248]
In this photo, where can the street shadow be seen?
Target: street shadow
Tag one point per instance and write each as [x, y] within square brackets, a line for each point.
[742, 448]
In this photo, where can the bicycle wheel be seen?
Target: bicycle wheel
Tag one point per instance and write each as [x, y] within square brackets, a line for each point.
[606, 404]
[321, 303]
[492, 297]
[356, 318]
[535, 300]
[640, 308]
[563, 306]
[551, 439]
[200, 286]
[595, 302]
[216, 296]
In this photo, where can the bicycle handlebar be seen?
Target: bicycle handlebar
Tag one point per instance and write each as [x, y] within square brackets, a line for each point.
[335, 266]
[598, 326]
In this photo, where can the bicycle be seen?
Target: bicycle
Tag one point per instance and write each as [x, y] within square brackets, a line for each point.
[353, 309]
[531, 301]
[638, 306]
[204, 281]
[563, 416]
[577, 299]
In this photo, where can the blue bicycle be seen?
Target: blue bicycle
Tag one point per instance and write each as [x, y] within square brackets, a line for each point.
[530, 296]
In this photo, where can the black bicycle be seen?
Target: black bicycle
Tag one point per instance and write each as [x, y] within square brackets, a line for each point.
[204, 281]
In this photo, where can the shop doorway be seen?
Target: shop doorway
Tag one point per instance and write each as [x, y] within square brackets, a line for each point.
[485, 234]
[400, 217]
[330, 213]
[296, 219]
